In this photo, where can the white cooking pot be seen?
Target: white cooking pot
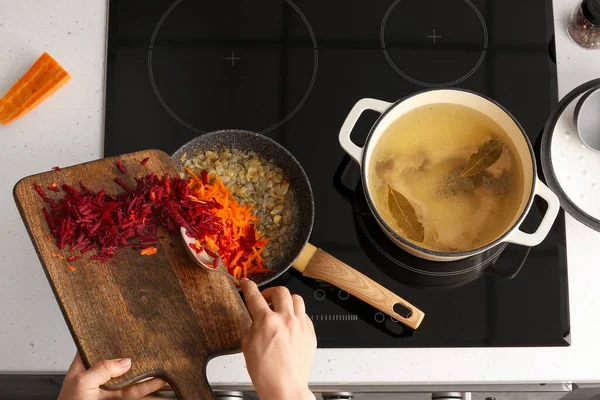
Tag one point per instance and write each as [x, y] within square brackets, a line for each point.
[390, 112]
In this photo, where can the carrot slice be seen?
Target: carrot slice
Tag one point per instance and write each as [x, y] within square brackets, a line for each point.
[44, 78]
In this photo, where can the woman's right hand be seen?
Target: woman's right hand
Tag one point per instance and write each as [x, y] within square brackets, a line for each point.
[280, 346]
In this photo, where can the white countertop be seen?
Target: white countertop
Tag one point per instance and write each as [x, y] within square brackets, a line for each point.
[68, 129]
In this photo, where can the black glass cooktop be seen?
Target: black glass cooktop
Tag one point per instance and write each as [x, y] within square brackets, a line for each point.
[292, 70]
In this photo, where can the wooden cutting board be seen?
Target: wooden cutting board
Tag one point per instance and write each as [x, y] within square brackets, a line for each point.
[162, 311]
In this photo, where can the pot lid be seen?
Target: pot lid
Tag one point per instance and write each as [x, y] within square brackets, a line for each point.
[571, 169]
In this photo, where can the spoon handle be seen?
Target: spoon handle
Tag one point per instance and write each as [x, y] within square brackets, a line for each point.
[233, 278]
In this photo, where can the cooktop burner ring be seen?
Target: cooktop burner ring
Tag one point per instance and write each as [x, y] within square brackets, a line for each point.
[190, 126]
[391, 258]
[434, 36]
[488, 257]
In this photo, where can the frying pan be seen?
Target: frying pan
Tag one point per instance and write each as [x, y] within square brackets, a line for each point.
[311, 261]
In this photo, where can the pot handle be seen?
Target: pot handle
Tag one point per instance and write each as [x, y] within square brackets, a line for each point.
[533, 239]
[347, 144]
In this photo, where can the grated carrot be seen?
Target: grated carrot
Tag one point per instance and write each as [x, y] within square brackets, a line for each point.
[237, 272]
[148, 251]
[239, 244]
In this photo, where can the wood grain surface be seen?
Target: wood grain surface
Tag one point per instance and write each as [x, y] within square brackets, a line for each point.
[163, 311]
[321, 265]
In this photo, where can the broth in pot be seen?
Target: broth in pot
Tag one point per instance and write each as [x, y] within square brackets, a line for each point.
[446, 177]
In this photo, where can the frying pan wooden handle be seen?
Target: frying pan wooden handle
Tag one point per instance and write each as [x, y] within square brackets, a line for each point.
[190, 384]
[318, 264]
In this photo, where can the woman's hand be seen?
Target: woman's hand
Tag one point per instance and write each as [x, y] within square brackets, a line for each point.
[280, 345]
[82, 384]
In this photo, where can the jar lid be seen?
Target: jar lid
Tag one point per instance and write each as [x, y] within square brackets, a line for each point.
[591, 11]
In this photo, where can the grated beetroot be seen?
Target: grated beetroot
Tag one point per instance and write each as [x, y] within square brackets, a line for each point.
[84, 220]
[42, 194]
[121, 183]
[121, 167]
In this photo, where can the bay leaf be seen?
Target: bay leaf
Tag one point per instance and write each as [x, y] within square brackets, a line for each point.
[487, 154]
[405, 216]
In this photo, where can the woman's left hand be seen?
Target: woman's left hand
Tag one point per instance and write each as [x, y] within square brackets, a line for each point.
[82, 384]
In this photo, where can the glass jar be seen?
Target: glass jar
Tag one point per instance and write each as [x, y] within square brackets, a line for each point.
[584, 25]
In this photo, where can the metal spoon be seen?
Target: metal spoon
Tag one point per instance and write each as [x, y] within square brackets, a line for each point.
[204, 259]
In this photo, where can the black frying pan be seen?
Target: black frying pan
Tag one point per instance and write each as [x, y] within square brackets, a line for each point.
[304, 257]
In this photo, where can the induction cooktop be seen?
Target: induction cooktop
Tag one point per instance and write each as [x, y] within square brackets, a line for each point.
[292, 70]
